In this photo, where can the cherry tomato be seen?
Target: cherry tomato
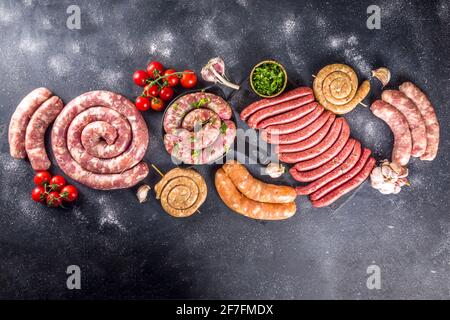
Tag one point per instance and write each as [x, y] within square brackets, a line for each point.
[38, 194]
[42, 177]
[157, 104]
[53, 199]
[142, 103]
[57, 182]
[69, 193]
[188, 80]
[166, 93]
[152, 91]
[155, 69]
[140, 77]
[172, 81]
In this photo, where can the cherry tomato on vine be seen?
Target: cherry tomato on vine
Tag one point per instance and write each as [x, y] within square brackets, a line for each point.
[188, 79]
[155, 69]
[42, 177]
[142, 103]
[152, 91]
[172, 81]
[140, 77]
[166, 93]
[38, 194]
[69, 193]
[157, 104]
[57, 182]
[53, 199]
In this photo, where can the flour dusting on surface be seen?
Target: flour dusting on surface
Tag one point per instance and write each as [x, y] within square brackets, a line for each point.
[160, 43]
[108, 212]
[60, 65]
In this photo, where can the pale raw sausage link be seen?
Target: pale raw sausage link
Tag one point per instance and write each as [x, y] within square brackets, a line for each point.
[348, 164]
[412, 114]
[308, 176]
[35, 133]
[131, 169]
[301, 134]
[347, 187]
[429, 116]
[21, 117]
[330, 186]
[401, 152]
[318, 149]
[261, 104]
[326, 156]
[268, 112]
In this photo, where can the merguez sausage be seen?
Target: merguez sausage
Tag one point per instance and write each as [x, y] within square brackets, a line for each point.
[318, 149]
[347, 187]
[296, 125]
[35, 132]
[255, 189]
[401, 152]
[330, 186]
[260, 115]
[288, 116]
[325, 156]
[20, 119]
[261, 104]
[412, 114]
[348, 164]
[428, 115]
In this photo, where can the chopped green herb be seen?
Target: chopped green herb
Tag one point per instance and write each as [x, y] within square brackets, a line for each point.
[268, 79]
[195, 153]
[175, 106]
[200, 103]
[223, 128]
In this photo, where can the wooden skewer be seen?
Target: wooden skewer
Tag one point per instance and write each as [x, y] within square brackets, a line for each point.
[162, 175]
[364, 105]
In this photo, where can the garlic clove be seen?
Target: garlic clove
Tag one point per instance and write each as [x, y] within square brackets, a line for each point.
[142, 193]
[383, 74]
[275, 170]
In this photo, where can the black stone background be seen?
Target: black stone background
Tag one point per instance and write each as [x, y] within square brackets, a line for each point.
[129, 250]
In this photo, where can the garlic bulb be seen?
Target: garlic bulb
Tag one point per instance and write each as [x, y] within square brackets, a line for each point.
[275, 170]
[142, 193]
[389, 177]
[383, 74]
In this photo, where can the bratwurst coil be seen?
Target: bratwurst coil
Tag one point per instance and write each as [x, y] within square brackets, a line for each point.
[99, 140]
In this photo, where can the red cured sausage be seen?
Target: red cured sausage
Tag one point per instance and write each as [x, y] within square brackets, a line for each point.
[412, 114]
[260, 115]
[346, 187]
[288, 116]
[429, 116]
[122, 171]
[309, 142]
[261, 104]
[318, 149]
[35, 133]
[298, 124]
[308, 176]
[348, 164]
[343, 178]
[301, 134]
[326, 156]
[20, 119]
[401, 152]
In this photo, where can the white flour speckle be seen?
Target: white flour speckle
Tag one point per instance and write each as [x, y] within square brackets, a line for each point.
[160, 43]
[60, 65]
[8, 16]
[111, 78]
[27, 2]
[46, 24]
[28, 44]
[242, 3]
[289, 26]
[358, 61]
[108, 213]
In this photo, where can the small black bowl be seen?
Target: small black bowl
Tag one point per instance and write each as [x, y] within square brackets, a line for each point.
[211, 89]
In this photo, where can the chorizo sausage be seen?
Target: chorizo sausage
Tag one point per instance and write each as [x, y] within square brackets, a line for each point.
[288, 116]
[346, 187]
[412, 114]
[318, 149]
[348, 164]
[20, 118]
[239, 203]
[398, 124]
[261, 104]
[429, 116]
[324, 157]
[35, 132]
[260, 115]
[296, 125]
[330, 186]
[255, 189]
